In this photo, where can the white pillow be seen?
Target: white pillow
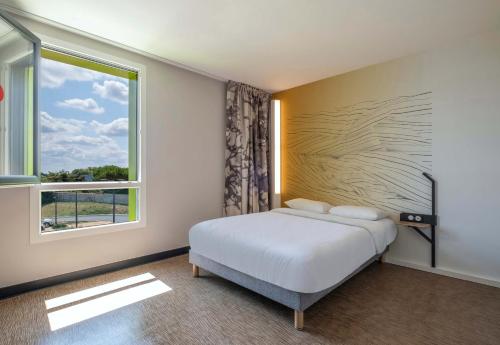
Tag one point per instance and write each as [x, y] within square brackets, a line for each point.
[309, 205]
[358, 212]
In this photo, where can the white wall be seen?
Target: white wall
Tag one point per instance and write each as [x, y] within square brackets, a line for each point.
[185, 176]
[464, 78]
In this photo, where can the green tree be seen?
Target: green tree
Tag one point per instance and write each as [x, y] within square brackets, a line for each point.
[103, 173]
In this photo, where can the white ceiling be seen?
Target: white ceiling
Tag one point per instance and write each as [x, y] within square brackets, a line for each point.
[5, 28]
[273, 44]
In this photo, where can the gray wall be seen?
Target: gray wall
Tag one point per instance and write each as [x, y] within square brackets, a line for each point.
[185, 175]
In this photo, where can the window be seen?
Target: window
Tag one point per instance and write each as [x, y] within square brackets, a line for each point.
[87, 119]
[89, 144]
[66, 210]
[70, 127]
[19, 51]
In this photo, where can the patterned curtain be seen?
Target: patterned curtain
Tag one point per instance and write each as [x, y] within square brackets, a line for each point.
[247, 149]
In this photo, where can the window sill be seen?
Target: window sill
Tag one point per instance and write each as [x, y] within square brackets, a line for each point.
[38, 237]
[7, 186]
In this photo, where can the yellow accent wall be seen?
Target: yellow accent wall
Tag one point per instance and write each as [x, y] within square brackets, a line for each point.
[361, 138]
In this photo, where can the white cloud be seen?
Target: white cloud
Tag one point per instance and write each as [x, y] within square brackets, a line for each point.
[85, 140]
[115, 128]
[66, 152]
[89, 105]
[54, 74]
[50, 124]
[112, 90]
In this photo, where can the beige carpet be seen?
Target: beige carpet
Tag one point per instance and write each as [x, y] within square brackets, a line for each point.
[384, 304]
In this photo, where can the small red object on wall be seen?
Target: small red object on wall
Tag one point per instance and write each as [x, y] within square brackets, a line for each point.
[1, 93]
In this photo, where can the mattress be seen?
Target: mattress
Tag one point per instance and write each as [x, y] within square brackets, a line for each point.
[297, 250]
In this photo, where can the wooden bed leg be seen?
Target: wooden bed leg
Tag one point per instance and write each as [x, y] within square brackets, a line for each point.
[196, 271]
[299, 319]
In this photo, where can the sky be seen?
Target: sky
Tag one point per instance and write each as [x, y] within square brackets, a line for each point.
[84, 118]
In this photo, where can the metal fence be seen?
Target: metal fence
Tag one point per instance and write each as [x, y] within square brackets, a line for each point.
[107, 198]
[76, 197]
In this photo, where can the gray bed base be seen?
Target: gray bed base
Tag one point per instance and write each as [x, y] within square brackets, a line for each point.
[296, 300]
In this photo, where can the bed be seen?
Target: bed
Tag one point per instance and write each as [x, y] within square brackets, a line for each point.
[291, 256]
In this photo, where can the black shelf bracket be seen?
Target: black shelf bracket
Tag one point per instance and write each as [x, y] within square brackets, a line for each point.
[421, 233]
[430, 222]
[432, 238]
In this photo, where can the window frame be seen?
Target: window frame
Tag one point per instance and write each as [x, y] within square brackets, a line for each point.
[33, 178]
[36, 236]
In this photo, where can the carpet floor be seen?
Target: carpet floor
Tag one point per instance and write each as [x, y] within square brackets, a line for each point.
[384, 304]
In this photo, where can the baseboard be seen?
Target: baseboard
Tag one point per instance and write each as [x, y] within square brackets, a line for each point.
[13, 290]
[444, 272]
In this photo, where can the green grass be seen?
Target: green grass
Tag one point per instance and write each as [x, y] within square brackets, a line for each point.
[84, 208]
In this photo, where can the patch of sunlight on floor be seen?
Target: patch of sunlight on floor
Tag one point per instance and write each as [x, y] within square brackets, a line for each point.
[98, 306]
[87, 293]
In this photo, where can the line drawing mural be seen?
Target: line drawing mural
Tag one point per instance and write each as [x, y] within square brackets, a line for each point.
[370, 153]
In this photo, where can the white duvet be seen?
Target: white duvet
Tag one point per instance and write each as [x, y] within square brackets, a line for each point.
[297, 250]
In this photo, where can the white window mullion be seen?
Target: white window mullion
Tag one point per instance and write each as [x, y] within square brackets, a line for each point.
[61, 186]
